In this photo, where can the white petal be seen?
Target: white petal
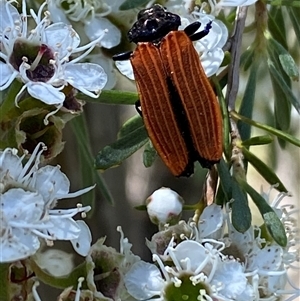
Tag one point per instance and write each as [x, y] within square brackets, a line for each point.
[223, 33]
[95, 28]
[62, 39]
[8, 20]
[82, 244]
[45, 93]
[211, 61]
[50, 181]
[143, 281]
[108, 66]
[56, 14]
[231, 275]
[192, 250]
[10, 163]
[5, 72]
[63, 228]
[86, 76]
[21, 244]
[125, 68]
[211, 220]
[20, 206]
[269, 258]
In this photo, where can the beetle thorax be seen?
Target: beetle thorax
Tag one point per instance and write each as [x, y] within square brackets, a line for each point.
[153, 24]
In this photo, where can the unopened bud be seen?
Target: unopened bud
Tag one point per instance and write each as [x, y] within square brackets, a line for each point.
[164, 206]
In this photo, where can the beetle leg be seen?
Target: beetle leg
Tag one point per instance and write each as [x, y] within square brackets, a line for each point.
[199, 35]
[138, 107]
[122, 56]
[192, 28]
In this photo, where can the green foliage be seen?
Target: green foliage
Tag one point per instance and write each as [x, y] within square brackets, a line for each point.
[114, 154]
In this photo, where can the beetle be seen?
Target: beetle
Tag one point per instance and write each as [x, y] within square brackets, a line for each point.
[179, 107]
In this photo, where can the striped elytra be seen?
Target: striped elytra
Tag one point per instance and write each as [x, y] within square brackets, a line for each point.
[179, 107]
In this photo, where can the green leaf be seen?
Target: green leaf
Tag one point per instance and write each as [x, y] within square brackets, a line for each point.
[294, 13]
[130, 4]
[225, 117]
[88, 173]
[278, 133]
[225, 180]
[258, 140]
[112, 97]
[280, 82]
[247, 104]
[272, 221]
[114, 154]
[149, 154]
[289, 66]
[276, 25]
[130, 125]
[241, 214]
[264, 170]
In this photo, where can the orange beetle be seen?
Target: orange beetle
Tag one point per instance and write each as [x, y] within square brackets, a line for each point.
[178, 105]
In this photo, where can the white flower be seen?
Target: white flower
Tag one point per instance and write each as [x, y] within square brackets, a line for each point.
[164, 206]
[270, 261]
[92, 13]
[41, 57]
[197, 272]
[209, 47]
[28, 197]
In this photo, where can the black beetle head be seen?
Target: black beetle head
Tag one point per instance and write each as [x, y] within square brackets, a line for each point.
[153, 24]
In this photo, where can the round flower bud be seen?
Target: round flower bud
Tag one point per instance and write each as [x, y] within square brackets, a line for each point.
[164, 206]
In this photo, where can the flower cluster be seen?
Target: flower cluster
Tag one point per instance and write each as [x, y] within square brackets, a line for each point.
[200, 261]
[29, 194]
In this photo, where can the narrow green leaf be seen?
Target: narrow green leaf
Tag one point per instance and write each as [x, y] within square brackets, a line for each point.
[130, 4]
[267, 173]
[282, 106]
[279, 80]
[88, 173]
[246, 108]
[225, 116]
[114, 154]
[112, 97]
[225, 179]
[149, 154]
[272, 221]
[276, 25]
[130, 125]
[258, 140]
[289, 66]
[278, 133]
[294, 13]
[241, 214]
